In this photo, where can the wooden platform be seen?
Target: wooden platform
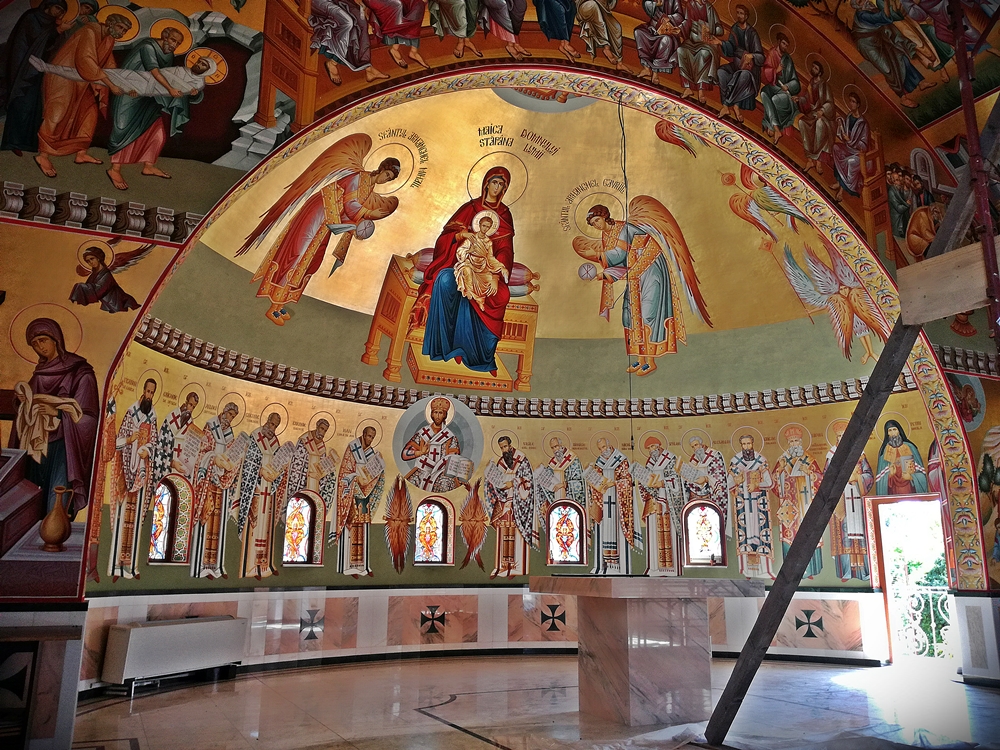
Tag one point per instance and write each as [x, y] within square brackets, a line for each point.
[453, 375]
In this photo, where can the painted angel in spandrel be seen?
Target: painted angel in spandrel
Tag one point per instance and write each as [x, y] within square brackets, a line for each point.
[649, 252]
[838, 291]
[334, 196]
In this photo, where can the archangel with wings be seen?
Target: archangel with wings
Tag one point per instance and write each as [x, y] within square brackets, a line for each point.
[650, 253]
[101, 285]
[838, 291]
[333, 196]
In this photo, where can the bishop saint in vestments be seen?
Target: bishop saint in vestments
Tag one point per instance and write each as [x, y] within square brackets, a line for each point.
[360, 484]
[134, 448]
[796, 477]
[260, 487]
[749, 481]
[615, 532]
[510, 493]
[214, 482]
[663, 498]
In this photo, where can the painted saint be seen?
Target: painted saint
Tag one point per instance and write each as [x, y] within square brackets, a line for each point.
[215, 482]
[340, 34]
[360, 485]
[36, 33]
[658, 40]
[637, 250]
[431, 447]
[698, 55]
[568, 480]
[848, 535]
[456, 327]
[900, 469]
[71, 108]
[704, 475]
[610, 479]
[57, 415]
[796, 476]
[134, 446]
[170, 441]
[663, 497]
[260, 482]
[816, 125]
[749, 481]
[852, 141]
[334, 196]
[739, 79]
[510, 494]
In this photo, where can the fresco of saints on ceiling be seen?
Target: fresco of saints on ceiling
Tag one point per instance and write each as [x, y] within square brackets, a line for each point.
[638, 250]
[335, 195]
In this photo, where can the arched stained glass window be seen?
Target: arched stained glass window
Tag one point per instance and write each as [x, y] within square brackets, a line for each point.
[431, 533]
[703, 535]
[298, 530]
[565, 524]
[164, 519]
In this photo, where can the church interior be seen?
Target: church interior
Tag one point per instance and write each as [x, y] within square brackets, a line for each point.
[482, 373]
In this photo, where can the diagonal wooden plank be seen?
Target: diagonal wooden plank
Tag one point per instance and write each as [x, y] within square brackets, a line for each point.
[890, 364]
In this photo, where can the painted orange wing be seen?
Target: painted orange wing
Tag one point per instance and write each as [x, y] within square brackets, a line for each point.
[747, 209]
[646, 211]
[398, 516]
[474, 522]
[347, 153]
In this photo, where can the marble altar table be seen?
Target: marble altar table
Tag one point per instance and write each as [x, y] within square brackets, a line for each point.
[644, 650]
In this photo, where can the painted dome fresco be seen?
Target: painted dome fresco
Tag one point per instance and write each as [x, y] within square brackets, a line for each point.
[742, 266]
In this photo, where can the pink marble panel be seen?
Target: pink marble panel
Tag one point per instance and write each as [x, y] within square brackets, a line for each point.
[48, 679]
[830, 624]
[191, 609]
[292, 613]
[340, 623]
[95, 638]
[717, 621]
[645, 662]
[541, 617]
[421, 620]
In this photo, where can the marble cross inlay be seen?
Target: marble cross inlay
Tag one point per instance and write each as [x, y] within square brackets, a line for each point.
[313, 624]
[553, 617]
[809, 624]
[432, 618]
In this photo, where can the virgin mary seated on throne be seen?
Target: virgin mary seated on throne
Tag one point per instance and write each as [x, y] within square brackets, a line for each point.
[455, 339]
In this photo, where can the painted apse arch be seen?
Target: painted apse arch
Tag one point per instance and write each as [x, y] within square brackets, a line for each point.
[678, 127]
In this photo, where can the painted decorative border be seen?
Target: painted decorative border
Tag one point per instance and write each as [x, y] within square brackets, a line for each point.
[740, 146]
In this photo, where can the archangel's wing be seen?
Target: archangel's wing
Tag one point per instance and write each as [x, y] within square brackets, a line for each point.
[842, 320]
[397, 519]
[670, 133]
[770, 199]
[865, 309]
[747, 209]
[826, 280]
[648, 213]
[749, 178]
[844, 272]
[346, 154]
[588, 248]
[474, 524]
[129, 259]
[802, 283]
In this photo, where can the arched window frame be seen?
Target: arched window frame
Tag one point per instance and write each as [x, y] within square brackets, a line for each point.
[177, 531]
[448, 547]
[316, 546]
[922, 164]
[686, 541]
[582, 542]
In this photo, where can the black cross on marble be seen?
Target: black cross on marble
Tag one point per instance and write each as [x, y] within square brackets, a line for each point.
[312, 625]
[553, 617]
[809, 624]
[433, 617]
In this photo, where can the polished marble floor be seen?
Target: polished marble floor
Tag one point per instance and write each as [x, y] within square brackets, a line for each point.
[523, 703]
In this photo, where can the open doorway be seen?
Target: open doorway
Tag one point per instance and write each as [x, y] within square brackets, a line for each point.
[911, 560]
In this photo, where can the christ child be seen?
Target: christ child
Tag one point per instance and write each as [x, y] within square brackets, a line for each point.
[476, 269]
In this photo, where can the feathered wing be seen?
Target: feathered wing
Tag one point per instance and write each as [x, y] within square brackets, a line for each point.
[865, 309]
[129, 259]
[825, 279]
[843, 271]
[347, 154]
[749, 178]
[747, 209]
[649, 213]
[398, 516]
[801, 283]
[677, 136]
[770, 199]
[475, 521]
[588, 248]
[842, 320]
